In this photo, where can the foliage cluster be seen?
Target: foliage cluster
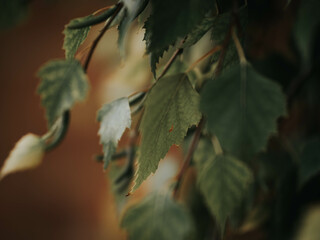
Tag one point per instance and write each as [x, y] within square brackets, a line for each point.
[231, 117]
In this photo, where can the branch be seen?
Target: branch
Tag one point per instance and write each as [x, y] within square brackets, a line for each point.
[65, 118]
[96, 41]
[188, 158]
[169, 63]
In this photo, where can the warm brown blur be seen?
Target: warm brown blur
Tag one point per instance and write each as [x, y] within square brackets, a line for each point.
[68, 196]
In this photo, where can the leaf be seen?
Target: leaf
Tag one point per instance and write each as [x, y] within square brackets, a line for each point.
[12, 12]
[242, 107]
[157, 217]
[160, 30]
[310, 227]
[224, 182]
[93, 19]
[75, 37]
[26, 154]
[310, 161]
[171, 102]
[132, 8]
[221, 25]
[63, 82]
[306, 27]
[204, 153]
[199, 31]
[114, 118]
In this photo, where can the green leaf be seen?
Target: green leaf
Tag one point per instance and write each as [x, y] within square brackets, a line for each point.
[114, 118]
[160, 30]
[224, 181]
[12, 12]
[242, 108]
[157, 217]
[199, 31]
[63, 82]
[170, 109]
[75, 37]
[306, 27]
[310, 161]
[221, 25]
[27, 154]
[204, 153]
[132, 8]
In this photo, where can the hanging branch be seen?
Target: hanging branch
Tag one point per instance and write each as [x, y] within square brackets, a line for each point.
[65, 118]
[188, 158]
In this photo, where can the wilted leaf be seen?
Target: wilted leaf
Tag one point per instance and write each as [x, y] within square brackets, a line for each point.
[114, 118]
[26, 154]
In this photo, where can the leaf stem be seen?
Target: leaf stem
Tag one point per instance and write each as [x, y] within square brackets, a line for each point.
[216, 145]
[96, 41]
[188, 157]
[208, 54]
[242, 57]
[61, 132]
[171, 60]
[95, 19]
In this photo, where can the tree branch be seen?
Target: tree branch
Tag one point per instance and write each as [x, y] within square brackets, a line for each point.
[188, 158]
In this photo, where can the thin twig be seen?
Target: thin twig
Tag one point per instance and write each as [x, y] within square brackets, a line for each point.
[242, 57]
[169, 63]
[96, 41]
[208, 54]
[188, 158]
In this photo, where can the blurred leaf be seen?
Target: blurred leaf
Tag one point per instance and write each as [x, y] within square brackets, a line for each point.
[170, 21]
[310, 228]
[75, 37]
[199, 31]
[171, 108]
[12, 12]
[114, 118]
[310, 161]
[242, 107]
[224, 181]
[306, 26]
[63, 82]
[26, 154]
[204, 153]
[132, 8]
[157, 217]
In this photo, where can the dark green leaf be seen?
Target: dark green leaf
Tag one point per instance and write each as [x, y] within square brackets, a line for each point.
[306, 26]
[170, 21]
[157, 217]
[310, 161]
[75, 37]
[114, 118]
[224, 181]
[170, 109]
[242, 107]
[63, 82]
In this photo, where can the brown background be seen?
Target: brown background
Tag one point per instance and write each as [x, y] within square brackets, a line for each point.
[68, 196]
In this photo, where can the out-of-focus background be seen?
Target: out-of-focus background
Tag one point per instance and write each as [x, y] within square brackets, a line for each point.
[68, 196]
